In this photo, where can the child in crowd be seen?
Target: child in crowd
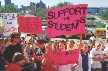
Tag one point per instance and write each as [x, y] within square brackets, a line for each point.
[18, 60]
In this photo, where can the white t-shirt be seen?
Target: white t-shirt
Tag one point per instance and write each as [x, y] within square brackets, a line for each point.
[95, 53]
[105, 52]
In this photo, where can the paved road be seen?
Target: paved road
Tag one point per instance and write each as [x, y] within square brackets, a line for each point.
[102, 21]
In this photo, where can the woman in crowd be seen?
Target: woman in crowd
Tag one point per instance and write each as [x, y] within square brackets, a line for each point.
[70, 45]
[84, 58]
[56, 46]
[62, 46]
[47, 64]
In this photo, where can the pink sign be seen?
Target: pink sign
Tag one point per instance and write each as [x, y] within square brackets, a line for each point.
[31, 25]
[69, 19]
[65, 57]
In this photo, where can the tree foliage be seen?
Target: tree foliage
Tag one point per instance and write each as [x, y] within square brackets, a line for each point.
[60, 4]
[7, 9]
[41, 12]
[104, 14]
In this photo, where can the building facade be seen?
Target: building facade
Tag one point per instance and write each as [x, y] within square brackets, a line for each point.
[7, 2]
[0, 3]
[95, 10]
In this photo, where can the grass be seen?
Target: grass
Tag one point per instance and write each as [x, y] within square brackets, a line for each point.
[90, 17]
[98, 24]
[101, 17]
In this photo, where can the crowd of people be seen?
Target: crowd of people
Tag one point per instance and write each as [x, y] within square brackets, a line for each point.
[18, 54]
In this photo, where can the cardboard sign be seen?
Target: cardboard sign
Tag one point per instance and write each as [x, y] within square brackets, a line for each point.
[31, 25]
[69, 19]
[64, 57]
[106, 31]
[9, 23]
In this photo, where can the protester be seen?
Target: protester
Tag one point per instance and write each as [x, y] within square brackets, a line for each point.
[62, 46]
[56, 46]
[17, 61]
[102, 47]
[96, 58]
[85, 62]
[12, 48]
[39, 55]
[70, 45]
[105, 59]
[47, 63]
[2, 62]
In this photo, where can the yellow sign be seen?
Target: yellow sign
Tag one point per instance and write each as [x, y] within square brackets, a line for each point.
[0, 23]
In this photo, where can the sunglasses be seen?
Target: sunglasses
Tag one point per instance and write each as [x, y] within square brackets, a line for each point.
[17, 37]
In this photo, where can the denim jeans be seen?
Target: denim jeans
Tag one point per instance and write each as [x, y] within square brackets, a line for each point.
[104, 68]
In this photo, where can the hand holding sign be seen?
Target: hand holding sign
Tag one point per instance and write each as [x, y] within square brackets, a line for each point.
[69, 19]
[31, 25]
[65, 57]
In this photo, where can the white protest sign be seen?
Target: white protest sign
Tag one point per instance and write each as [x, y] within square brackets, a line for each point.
[9, 23]
[106, 31]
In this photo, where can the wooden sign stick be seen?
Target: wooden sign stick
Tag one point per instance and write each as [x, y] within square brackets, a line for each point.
[81, 39]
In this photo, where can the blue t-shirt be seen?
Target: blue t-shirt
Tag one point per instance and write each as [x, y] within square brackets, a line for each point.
[85, 62]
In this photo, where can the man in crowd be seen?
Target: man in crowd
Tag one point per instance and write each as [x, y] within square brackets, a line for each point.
[12, 48]
[96, 58]
[39, 52]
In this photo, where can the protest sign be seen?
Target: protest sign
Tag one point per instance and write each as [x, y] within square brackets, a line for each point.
[9, 23]
[0, 23]
[32, 25]
[69, 19]
[64, 57]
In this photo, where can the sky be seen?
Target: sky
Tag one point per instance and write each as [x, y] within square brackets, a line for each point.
[91, 3]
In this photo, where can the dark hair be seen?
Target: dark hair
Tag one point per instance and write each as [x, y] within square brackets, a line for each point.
[40, 41]
[13, 35]
[17, 57]
[23, 38]
[72, 41]
[82, 50]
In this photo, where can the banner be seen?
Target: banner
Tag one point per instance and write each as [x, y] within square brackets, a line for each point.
[9, 23]
[65, 57]
[69, 19]
[31, 25]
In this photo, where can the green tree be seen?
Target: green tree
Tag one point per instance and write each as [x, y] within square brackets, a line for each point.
[60, 4]
[7, 9]
[104, 14]
[41, 12]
